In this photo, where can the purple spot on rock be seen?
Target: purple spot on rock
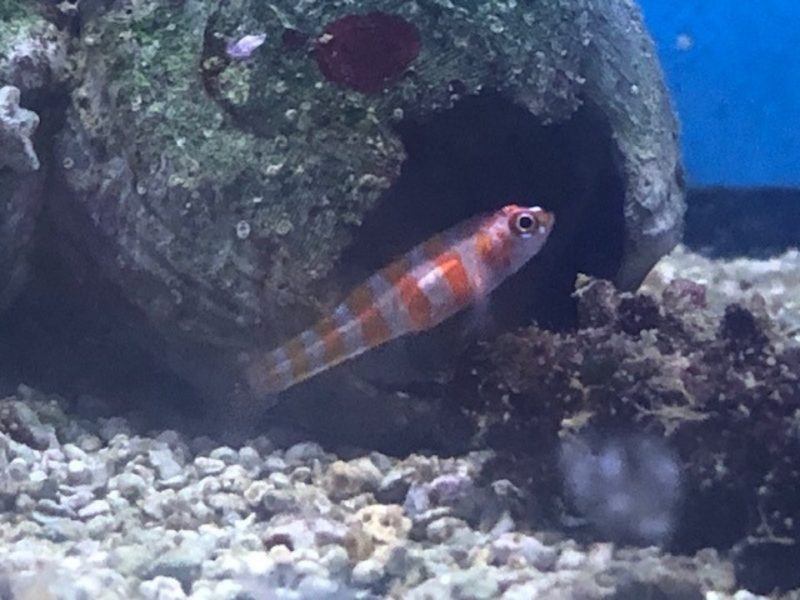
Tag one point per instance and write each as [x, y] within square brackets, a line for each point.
[685, 292]
[244, 47]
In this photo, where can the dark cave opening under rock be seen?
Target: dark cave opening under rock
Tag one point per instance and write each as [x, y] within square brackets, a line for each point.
[485, 152]
[481, 154]
[63, 334]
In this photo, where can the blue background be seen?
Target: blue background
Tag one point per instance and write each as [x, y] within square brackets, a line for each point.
[736, 87]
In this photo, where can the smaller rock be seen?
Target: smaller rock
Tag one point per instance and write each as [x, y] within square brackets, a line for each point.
[81, 498]
[320, 588]
[17, 420]
[280, 480]
[161, 588]
[570, 559]
[368, 572]
[24, 503]
[78, 472]
[279, 501]
[93, 509]
[208, 466]
[254, 493]
[394, 487]
[51, 507]
[303, 453]
[249, 458]
[684, 295]
[510, 545]
[164, 462]
[348, 479]
[183, 563]
[274, 464]
[226, 504]
[302, 474]
[100, 526]
[227, 455]
[130, 485]
[73, 452]
[18, 469]
[377, 524]
[441, 530]
[17, 126]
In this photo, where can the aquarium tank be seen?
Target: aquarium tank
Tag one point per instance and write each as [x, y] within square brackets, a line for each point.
[420, 300]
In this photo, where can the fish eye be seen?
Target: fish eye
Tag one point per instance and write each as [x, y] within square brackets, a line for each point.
[523, 223]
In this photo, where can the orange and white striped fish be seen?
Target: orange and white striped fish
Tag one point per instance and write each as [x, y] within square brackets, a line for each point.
[427, 285]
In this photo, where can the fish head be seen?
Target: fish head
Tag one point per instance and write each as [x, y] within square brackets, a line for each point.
[523, 230]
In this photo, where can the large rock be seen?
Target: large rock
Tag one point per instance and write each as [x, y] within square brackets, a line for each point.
[229, 199]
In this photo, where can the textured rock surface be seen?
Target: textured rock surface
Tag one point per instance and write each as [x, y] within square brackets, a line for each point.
[17, 126]
[775, 279]
[223, 205]
[20, 192]
[32, 57]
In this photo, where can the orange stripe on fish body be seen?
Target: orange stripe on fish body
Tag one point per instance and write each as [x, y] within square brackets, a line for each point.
[419, 290]
[408, 296]
[333, 346]
[366, 309]
[452, 267]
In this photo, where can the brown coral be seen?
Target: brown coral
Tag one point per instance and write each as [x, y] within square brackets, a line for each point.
[722, 391]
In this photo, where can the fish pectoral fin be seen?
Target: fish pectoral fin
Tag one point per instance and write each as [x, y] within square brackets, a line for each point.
[479, 321]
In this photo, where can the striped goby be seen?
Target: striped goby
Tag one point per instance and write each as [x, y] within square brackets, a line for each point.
[428, 284]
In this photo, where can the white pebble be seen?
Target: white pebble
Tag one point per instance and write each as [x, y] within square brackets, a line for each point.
[208, 466]
[164, 462]
[18, 469]
[249, 458]
[367, 572]
[161, 588]
[78, 472]
[93, 509]
[129, 485]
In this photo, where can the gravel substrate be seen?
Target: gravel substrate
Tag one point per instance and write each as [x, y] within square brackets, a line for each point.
[92, 510]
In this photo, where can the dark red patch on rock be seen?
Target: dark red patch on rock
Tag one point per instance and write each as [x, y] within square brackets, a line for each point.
[365, 52]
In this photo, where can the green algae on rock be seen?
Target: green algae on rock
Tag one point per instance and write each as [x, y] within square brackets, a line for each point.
[219, 196]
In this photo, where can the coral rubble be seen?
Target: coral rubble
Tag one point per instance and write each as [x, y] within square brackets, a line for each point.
[721, 390]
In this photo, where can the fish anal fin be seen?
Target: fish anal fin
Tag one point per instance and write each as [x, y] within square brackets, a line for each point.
[479, 321]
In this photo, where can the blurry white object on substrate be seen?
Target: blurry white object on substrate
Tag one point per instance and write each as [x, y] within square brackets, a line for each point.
[627, 487]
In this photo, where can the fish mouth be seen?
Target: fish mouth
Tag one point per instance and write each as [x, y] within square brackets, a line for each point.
[546, 219]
